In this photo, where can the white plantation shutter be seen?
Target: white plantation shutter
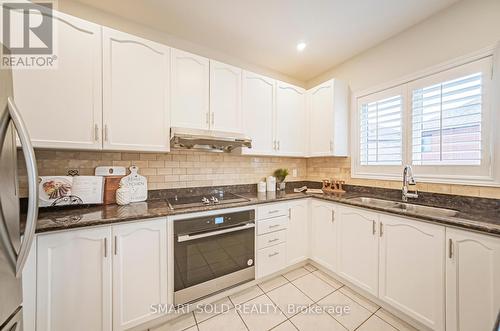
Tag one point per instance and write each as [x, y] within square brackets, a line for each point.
[447, 122]
[381, 132]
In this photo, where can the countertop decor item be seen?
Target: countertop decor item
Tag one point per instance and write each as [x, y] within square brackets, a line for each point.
[112, 177]
[280, 175]
[271, 184]
[138, 185]
[261, 187]
[123, 195]
[67, 190]
[333, 186]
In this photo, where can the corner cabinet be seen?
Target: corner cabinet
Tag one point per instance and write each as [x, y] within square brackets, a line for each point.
[472, 280]
[291, 119]
[328, 108]
[412, 271]
[323, 236]
[135, 93]
[74, 297]
[62, 107]
[258, 113]
[225, 97]
[190, 90]
[358, 248]
[121, 272]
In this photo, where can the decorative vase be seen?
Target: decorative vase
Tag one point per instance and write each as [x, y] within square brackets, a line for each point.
[123, 195]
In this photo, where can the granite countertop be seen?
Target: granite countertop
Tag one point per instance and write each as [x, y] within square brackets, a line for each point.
[473, 213]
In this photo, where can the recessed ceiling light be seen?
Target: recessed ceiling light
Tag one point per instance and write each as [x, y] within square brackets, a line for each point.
[301, 46]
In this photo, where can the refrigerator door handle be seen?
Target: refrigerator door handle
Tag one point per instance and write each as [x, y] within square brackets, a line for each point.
[31, 167]
[4, 232]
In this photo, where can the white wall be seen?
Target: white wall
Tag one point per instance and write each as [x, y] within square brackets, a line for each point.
[461, 29]
[108, 19]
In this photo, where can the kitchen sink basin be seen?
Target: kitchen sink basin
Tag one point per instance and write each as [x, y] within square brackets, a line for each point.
[409, 207]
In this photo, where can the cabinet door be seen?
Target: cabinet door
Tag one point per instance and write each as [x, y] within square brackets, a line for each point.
[62, 106]
[320, 103]
[472, 286]
[139, 271]
[258, 113]
[290, 120]
[323, 236]
[297, 231]
[412, 269]
[225, 97]
[358, 248]
[190, 90]
[136, 105]
[74, 281]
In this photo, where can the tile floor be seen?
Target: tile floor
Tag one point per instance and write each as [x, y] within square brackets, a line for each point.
[303, 299]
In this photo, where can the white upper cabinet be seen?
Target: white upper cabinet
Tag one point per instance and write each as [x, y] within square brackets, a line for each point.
[62, 106]
[225, 97]
[136, 93]
[358, 248]
[258, 113]
[139, 271]
[328, 119]
[291, 120]
[412, 269]
[472, 281]
[190, 90]
[74, 281]
[323, 237]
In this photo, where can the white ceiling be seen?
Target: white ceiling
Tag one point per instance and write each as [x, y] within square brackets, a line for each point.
[266, 32]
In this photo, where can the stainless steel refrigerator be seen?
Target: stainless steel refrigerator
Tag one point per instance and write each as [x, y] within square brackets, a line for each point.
[15, 239]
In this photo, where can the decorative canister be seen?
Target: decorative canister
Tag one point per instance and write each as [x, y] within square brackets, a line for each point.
[261, 187]
[123, 195]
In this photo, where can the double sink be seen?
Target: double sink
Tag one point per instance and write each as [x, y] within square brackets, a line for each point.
[407, 207]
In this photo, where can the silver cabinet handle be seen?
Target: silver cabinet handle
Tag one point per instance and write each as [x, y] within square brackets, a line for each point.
[450, 248]
[105, 247]
[273, 240]
[207, 118]
[18, 260]
[381, 228]
[189, 237]
[290, 213]
[278, 145]
[274, 145]
[96, 132]
[274, 226]
[373, 227]
[213, 119]
[333, 215]
[273, 254]
[273, 211]
[106, 132]
[116, 246]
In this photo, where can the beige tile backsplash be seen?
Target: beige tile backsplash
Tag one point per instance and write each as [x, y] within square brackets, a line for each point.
[180, 169]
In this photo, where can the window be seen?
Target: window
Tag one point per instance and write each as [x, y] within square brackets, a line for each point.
[440, 124]
[381, 132]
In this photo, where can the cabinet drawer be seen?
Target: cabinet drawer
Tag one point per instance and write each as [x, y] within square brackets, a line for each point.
[270, 239]
[273, 210]
[271, 259]
[271, 225]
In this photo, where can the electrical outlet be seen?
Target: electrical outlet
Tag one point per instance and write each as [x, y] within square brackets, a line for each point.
[294, 172]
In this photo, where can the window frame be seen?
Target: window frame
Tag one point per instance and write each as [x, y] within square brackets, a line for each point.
[486, 174]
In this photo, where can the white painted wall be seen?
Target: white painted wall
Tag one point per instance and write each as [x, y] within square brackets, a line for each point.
[463, 28]
[95, 15]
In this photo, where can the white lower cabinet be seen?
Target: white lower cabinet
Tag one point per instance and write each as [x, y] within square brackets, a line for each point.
[120, 271]
[323, 237]
[74, 296]
[412, 275]
[358, 248]
[472, 281]
[139, 272]
[271, 259]
[297, 231]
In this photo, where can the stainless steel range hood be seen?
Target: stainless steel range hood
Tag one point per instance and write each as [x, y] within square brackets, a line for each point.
[207, 140]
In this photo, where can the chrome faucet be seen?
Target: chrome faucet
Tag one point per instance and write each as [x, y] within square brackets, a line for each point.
[408, 180]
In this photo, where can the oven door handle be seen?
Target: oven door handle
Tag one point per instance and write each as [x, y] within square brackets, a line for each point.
[188, 237]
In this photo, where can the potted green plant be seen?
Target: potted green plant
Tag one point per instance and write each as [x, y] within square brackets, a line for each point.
[280, 175]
